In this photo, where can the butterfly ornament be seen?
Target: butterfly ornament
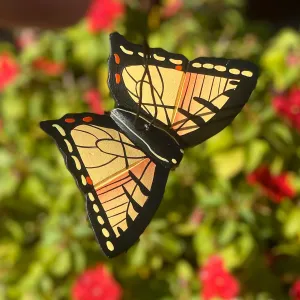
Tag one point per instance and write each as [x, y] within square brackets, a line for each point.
[164, 104]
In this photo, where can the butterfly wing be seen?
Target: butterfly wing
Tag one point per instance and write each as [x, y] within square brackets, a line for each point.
[122, 186]
[213, 93]
[126, 69]
[197, 99]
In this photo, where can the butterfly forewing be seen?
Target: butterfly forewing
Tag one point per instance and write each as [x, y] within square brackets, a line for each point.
[105, 152]
[166, 84]
[196, 99]
[122, 186]
[158, 90]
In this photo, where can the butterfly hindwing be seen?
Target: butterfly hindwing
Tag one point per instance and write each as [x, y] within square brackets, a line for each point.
[122, 186]
[196, 99]
[129, 202]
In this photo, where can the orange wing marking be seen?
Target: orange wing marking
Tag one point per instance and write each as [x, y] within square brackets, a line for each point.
[123, 198]
[201, 98]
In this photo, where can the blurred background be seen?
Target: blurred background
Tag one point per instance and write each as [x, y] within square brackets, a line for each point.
[229, 224]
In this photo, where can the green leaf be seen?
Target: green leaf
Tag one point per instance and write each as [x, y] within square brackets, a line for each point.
[274, 59]
[8, 184]
[156, 262]
[62, 263]
[138, 255]
[247, 131]
[47, 284]
[255, 154]
[9, 253]
[171, 246]
[33, 190]
[184, 270]
[80, 260]
[221, 141]
[15, 229]
[282, 132]
[204, 242]
[236, 253]
[6, 159]
[228, 232]
[229, 163]
[13, 107]
[292, 225]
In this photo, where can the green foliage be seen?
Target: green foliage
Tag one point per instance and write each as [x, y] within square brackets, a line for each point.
[45, 238]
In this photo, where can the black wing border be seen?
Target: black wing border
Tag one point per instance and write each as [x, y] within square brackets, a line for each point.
[138, 226]
[132, 234]
[119, 91]
[238, 97]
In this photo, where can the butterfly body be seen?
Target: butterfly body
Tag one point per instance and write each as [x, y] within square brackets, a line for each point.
[149, 137]
[164, 105]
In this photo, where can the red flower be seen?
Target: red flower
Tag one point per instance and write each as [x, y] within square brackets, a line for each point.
[103, 14]
[26, 38]
[293, 60]
[48, 66]
[9, 70]
[171, 8]
[94, 101]
[276, 187]
[295, 290]
[217, 281]
[96, 284]
[196, 216]
[288, 107]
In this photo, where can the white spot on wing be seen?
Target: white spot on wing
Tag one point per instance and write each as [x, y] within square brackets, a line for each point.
[110, 246]
[160, 58]
[77, 163]
[220, 68]
[96, 208]
[197, 65]
[100, 220]
[235, 71]
[60, 129]
[176, 61]
[91, 196]
[208, 66]
[105, 232]
[83, 180]
[68, 145]
[247, 73]
[126, 51]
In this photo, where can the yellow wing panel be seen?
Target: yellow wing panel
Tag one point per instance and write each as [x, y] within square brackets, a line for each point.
[124, 196]
[166, 84]
[105, 152]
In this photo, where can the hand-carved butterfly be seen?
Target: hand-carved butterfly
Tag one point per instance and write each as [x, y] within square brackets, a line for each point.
[165, 104]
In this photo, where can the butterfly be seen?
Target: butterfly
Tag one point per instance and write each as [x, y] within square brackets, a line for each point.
[164, 104]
